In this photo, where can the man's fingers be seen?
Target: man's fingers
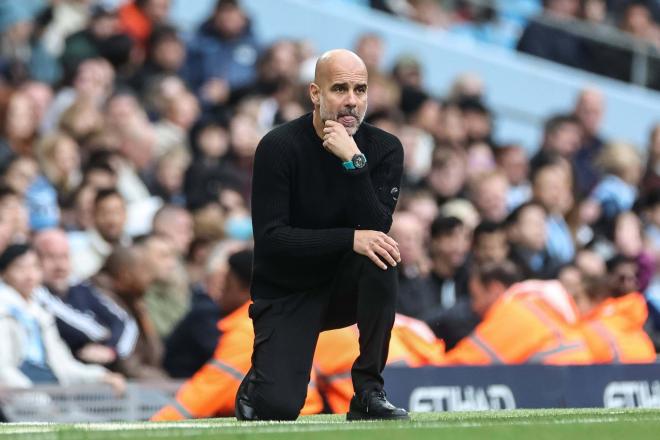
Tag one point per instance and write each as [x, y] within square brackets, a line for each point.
[390, 240]
[380, 250]
[377, 261]
[394, 252]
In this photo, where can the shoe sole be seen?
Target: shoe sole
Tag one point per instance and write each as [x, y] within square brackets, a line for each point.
[353, 417]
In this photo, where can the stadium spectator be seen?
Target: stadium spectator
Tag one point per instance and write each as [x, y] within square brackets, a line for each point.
[124, 278]
[589, 111]
[90, 248]
[18, 125]
[139, 18]
[450, 245]
[651, 180]
[447, 176]
[526, 227]
[447, 308]
[14, 217]
[488, 191]
[480, 159]
[103, 37]
[614, 316]
[192, 342]
[166, 53]
[58, 155]
[528, 322]
[95, 329]
[551, 188]
[211, 391]
[616, 191]
[167, 297]
[489, 243]
[24, 57]
[562, 136]
[32, 351]
[415, 266]
[370, 47]
[512, 160]
[223, 54]
[478, 120]
[555, 42]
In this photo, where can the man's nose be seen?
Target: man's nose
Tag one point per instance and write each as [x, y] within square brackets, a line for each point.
[351, 99]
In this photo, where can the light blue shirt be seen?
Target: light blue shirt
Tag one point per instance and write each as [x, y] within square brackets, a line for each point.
[35, 352]
[559, 242]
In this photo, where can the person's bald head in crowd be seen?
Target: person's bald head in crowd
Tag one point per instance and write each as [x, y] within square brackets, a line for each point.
[128, 268]
[589, 110]
[339, 90]
[52, 246]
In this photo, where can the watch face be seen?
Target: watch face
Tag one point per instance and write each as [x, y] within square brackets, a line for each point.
[359, 160]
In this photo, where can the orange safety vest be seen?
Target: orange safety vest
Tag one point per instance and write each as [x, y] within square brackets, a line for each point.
[614, 331]
[212, 390]
[525, 326]
[412, 344]
[135, 23]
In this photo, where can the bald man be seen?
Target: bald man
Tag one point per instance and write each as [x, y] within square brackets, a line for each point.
[325, 186]
[589, 111]
[92, 325]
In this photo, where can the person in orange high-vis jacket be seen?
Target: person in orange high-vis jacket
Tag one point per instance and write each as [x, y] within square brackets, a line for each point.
[614, 315]
[412, 344]
[212, 390]
[528, 322]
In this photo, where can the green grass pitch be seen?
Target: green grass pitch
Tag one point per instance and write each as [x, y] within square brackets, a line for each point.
[555, 424]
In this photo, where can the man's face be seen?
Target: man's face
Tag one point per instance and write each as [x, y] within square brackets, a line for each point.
[55, 263]
[341, 93]
[452, 247]
[531, 228]
[565, 139]
[490, 198]
[624, 279]
[109, 218]
[491, 247]
[162, 257]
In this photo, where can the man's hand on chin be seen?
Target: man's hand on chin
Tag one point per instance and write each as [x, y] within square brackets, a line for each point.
[337, 141]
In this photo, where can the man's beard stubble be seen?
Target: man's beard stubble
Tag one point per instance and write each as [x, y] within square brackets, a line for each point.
[327, 116]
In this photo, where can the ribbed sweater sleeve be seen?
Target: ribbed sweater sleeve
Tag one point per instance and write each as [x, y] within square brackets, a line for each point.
[375, 191]
[271, 208]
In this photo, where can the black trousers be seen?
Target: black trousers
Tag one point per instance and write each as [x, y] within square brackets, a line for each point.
[287, 329]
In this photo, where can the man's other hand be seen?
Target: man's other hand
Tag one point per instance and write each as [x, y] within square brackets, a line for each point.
[379, 247]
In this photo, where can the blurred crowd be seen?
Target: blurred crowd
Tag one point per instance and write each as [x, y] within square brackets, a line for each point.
[594, 35]
[126, 154]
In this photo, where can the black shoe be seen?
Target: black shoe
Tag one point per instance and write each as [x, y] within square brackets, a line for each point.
[372, 405]
[242, 406]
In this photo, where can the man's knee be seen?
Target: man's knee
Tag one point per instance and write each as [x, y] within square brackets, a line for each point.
[381, 282]
[276, 403]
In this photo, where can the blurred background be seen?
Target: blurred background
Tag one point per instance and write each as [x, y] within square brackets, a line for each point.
[531, 132]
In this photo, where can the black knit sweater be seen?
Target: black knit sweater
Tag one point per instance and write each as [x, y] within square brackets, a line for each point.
[306, 206]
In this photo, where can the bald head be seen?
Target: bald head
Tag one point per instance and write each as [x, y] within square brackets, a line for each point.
[342, 59]
[52, 246]
[50, 239]
[589, 109]
[339, 90]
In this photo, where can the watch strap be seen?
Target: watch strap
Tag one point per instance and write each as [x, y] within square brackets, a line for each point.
[348, 165]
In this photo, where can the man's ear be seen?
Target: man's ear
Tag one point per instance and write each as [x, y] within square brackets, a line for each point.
[314, 92]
